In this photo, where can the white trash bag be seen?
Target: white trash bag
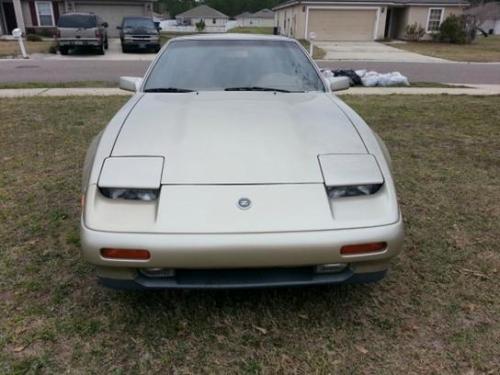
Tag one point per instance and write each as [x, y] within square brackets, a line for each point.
[371, 79]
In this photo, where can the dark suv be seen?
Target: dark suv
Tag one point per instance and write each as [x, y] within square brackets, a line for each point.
[81, 30]
[139, 33]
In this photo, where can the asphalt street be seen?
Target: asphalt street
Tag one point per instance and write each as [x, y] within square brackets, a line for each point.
[101, 70]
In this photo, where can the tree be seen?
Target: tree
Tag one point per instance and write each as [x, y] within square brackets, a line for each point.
[200, 26]
[453, 30]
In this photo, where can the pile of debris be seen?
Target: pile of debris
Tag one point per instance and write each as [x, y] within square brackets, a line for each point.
[367, 78]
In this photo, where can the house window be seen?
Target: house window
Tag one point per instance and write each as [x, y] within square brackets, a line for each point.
[44, 13]
[434, 19]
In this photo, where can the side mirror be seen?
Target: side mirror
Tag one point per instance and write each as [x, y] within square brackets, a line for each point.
[105, 24]
[130, 83]
[339, 83]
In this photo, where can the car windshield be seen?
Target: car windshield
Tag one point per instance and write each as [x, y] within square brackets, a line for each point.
[233, 65]
[138, 23]
[80, 21]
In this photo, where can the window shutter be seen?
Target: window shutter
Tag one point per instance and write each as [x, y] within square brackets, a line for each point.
[34, 20]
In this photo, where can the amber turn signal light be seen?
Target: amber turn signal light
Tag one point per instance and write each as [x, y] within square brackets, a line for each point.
[363, 248]
[131, 254]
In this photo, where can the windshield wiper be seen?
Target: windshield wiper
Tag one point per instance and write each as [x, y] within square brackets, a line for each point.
[255, 88]
[168, 89]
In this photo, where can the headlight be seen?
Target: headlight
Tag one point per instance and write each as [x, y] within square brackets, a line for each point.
[133, 194]
[352, 191]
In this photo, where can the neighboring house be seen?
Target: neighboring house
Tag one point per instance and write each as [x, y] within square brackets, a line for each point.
[362, 20]
[489, 14]
[262, 18]
[41, 16]
[214, 20]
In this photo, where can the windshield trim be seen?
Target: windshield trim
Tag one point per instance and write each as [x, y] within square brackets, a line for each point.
[309, 58]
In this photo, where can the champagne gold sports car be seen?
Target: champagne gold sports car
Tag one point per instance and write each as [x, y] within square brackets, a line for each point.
[235, 165]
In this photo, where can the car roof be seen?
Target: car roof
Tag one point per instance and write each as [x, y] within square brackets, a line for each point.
[235, 36]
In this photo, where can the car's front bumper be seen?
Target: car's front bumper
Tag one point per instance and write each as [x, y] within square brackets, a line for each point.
[141, 44]
[285, 252]
[79, 42]
[242, 278]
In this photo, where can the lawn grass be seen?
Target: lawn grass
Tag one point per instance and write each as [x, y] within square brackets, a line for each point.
[252, 30]
[437, 312]
[10, 48]
[318, 53]
[49, 85]
[105, 84]
[481, 50]
[166, 36]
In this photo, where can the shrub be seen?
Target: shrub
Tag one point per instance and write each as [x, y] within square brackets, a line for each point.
[33, 38]
[414, 32]
[452, 30]
[200, 26]
[47, 32]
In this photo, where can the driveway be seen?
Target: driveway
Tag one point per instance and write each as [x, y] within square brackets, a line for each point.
[114, 52]
[371, 51]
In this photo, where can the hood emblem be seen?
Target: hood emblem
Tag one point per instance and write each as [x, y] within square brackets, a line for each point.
[244, 203]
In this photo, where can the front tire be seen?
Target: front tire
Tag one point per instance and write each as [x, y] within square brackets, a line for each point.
[63, 50]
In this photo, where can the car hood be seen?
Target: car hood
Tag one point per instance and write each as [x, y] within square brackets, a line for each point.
[139, 30]
[238, 137]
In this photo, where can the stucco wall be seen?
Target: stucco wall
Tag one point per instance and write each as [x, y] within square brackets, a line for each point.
[296, 21]
[420, 14]
[295, 17]
[256, 22]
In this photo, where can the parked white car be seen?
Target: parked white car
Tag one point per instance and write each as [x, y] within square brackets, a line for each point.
[234, 165]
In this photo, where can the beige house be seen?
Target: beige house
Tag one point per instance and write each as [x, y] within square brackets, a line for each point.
[262, 18]
[214, 20]
[362, 20]
[41, 16]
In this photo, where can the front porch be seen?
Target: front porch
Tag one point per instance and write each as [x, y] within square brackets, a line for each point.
[29, 15]
[11, 16]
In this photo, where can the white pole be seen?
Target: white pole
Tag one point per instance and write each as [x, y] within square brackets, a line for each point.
[23, 49]
[18, 34]
[312, 37]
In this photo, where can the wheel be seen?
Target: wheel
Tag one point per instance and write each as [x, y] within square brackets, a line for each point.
[63, 50]
[124, 49]
[157, 49]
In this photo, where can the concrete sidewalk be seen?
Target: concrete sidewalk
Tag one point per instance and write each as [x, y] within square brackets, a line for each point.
[481, 90]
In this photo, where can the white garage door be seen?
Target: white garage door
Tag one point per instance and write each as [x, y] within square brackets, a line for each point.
[342, 24]
[112, 14]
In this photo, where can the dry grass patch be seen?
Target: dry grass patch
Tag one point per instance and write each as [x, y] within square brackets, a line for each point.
[482, 50]
[438, 311]
[10, 48]
[252, 30]
[49, 85]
